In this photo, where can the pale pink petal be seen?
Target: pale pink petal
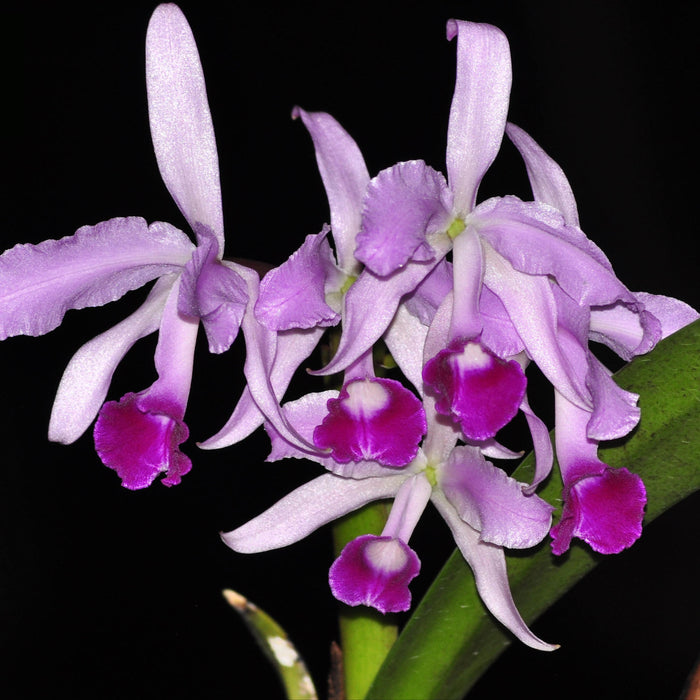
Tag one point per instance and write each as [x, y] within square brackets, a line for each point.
[87, 377]
[489, 566]
[479, 107]
[308, 508]
[345, 178]
[181, 126]
[492, 502]
[96, 265]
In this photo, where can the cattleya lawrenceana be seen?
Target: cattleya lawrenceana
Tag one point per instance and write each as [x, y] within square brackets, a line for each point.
[464, 294]
[525, 284]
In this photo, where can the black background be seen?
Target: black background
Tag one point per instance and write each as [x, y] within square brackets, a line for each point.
[107, 593]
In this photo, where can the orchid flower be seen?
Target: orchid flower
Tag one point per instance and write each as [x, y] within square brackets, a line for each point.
[602, 506]
[139, 435]
[304, 296]
[485, 509]
[505, 251]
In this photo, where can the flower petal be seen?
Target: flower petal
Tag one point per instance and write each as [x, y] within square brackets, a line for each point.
[476, 389]
[493, 503]
[308, 508]
[532, 307]
[615, 411]
[375, 571]
[293, 295]
[542, 446]
[489, 566]
[604, 507]
[98, 264]
[628, 329]
[404, 339]
[672, 313]
[305, 414]
[345, 178]
[174, 356]
[382, 295]
[372, 419]
[547, 179]
[138, 437]
[215, 293]
[181, 126]
[87, 377]
[498, 334]
[403, 205]
[535, 240]
[479, 107]
[428, 295]
[468, 274]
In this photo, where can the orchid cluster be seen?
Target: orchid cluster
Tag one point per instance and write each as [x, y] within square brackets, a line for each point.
[463, 294]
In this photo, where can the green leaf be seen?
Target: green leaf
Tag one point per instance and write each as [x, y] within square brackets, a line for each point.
[451, 639]
[275, 644]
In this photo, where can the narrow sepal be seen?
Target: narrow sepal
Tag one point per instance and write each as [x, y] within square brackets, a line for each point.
[181, 125]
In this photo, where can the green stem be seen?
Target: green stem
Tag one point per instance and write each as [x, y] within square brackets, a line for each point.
[366, 635]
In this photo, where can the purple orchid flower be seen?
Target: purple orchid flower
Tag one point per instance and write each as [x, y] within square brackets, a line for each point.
[305, 295]
[601, 505]
[506, 252]
[485, 509]
[139, 436]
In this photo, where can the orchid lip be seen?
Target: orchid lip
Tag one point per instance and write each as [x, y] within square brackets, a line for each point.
[138, 437]
[372, 419]
[478, 390]
[375, 571]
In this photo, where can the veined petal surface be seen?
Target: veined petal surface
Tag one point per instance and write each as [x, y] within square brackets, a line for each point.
[293, 295]
[492, 502]
[403, 204]
[96, 265]
[345, 178]
[535, 240]
[307, 508]
[181, 125]
[479, 107]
